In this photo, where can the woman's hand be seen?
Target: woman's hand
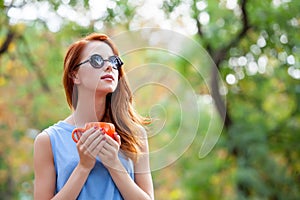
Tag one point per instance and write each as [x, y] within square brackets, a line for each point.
[109, 151]
[89, 145]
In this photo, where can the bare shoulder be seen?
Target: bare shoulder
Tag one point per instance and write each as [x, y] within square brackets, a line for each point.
[142, 134]
[141, 131]
[42, 145]
[42, 139]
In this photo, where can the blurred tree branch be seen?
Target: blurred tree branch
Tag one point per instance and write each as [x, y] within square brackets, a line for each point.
[41, 77]
[9, 38]
[4, 47]
[220, 55]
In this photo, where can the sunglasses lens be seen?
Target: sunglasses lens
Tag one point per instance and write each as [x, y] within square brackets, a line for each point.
[97, 61]
[114, 61]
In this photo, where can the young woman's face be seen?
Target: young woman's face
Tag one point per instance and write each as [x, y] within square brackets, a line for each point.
[102, 80]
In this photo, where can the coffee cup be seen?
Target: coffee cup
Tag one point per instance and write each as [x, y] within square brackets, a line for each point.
[108, 128]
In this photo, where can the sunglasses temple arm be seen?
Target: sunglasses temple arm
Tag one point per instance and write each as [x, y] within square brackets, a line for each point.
[120, 61]
[82, 63]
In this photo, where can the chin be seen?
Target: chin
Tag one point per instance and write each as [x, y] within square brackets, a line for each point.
[106, 90]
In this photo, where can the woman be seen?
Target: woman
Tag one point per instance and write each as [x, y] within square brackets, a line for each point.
[97, 166]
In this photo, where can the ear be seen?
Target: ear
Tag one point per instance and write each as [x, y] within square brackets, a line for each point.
[74, 76]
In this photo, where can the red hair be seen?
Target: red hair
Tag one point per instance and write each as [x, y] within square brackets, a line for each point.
[119, 104]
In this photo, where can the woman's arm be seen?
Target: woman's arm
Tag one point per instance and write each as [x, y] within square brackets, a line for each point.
[142, 186]
[44, 170]
[142, 170]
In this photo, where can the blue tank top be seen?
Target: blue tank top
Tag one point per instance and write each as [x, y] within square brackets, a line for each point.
[99, 184]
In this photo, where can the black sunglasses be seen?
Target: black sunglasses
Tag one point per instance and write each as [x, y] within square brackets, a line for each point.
[97, 61]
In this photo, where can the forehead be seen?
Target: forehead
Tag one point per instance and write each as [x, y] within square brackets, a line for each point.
[97, 47]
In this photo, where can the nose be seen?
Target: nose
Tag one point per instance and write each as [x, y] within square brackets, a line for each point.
[108, 66]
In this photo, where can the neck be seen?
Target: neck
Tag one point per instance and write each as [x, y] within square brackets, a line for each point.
[89, 110]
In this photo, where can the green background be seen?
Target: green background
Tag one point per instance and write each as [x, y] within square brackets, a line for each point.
[255, 46]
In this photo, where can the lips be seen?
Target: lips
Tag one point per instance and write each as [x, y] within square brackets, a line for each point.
[107, 77]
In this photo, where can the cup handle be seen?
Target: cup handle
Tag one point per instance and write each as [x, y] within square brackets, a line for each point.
[75, 135]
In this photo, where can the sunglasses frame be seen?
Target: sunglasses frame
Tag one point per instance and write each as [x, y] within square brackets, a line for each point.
[91, 61]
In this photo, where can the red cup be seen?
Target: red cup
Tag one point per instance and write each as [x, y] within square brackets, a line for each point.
[108, 129]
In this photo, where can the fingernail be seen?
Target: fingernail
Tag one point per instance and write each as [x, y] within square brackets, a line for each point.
[95, 127]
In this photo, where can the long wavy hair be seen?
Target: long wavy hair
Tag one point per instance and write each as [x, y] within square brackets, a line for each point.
[119, 104]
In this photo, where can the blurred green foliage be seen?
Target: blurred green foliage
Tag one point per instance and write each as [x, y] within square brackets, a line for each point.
[258, 153]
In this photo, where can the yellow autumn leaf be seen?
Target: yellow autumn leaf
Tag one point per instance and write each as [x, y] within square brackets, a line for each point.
[279, 106]
[176, 194]
[2, 81]
[19, 28]
[9, 65]
[22, 72]
[11, 47]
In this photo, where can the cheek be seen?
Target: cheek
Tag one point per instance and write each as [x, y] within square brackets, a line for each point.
[117, 74]
[116, 84]
[89, 77]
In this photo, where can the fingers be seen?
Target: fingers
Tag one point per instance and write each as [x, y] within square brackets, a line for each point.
[116, 141]
[117, 138]
[111, 145]
[97, 145]
[87, 134]
[94, 141]
[90, 140]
